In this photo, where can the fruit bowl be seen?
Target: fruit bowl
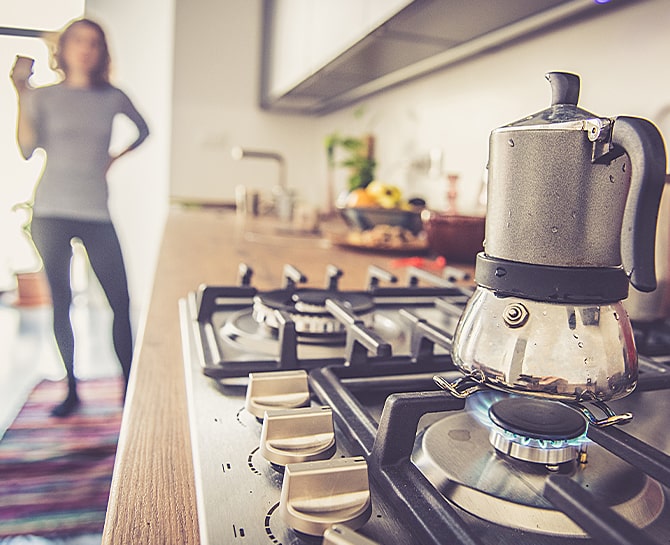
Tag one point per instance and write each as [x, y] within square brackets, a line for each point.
[365, 218]
[457, 238]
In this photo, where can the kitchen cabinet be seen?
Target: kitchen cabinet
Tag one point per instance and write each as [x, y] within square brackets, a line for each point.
[318, 57]
[307, 35]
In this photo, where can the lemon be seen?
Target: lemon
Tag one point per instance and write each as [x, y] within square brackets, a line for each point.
[386, 195]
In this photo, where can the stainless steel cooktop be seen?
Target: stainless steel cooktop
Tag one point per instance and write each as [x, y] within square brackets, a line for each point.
[326, 419]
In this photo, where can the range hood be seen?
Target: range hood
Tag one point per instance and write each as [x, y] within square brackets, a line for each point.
[422, 37]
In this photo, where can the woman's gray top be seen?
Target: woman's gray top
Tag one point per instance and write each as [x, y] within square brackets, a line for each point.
[74, 127]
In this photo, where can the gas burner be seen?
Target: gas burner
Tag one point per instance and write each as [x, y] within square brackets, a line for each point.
[452, 454]
[429, 454]
[535, 430]
[307, 309]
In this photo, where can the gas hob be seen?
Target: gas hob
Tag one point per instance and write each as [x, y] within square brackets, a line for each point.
[316, 411]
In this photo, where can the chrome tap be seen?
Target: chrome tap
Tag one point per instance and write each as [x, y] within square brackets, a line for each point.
[284, 198]
[238, 153]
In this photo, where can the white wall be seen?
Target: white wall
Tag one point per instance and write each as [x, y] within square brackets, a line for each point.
[140, 36]
[216, 79]
[622, 58]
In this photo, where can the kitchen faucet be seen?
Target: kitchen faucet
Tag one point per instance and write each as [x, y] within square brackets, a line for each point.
[238, 153]
[283, 197]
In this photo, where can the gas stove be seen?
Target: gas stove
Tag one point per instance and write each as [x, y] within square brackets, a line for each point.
[318, 415]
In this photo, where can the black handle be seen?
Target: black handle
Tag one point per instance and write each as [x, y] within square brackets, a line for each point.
[643, 144]
[564, 87]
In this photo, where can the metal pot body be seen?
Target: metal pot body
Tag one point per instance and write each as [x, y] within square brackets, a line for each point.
[548, 204]
[554, 351]
[569, 189]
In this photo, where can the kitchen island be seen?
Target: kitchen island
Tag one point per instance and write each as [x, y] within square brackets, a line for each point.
[152, 499]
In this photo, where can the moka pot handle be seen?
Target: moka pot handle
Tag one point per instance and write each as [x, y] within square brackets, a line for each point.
[643, 144]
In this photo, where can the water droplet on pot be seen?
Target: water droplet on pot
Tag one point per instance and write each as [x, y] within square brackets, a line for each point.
[554, 229]
[611, 178]
[580, 344]
[500, 272]
[511, 143]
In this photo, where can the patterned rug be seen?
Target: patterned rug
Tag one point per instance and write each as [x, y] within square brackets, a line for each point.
[55, 473]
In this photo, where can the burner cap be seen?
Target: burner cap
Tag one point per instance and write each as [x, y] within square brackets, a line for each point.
[307, 308]
[313, 301]
[537, 419]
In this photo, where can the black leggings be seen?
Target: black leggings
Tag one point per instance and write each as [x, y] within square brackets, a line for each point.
[52, 237]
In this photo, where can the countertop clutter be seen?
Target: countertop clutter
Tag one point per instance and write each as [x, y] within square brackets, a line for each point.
[152, 499]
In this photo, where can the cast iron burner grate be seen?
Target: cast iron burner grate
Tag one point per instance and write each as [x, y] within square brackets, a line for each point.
[652, 338]
[388, 445]
[351, 337]
[308, 309]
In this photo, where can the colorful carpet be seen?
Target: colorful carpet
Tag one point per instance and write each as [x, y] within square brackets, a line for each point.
[55, 473]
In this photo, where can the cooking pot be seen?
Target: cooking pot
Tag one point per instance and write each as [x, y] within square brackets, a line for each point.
[572, 206]
[456, 237]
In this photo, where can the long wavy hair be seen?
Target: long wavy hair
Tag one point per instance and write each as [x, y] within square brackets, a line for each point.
[100, 73]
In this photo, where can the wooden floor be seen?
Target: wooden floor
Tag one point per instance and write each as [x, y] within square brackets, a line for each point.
[28, 354]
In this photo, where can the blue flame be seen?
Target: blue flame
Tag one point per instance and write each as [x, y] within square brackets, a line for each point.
[544, 444]
[477, 405]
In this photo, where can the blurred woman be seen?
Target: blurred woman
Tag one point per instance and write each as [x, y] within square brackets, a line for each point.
[72, 121]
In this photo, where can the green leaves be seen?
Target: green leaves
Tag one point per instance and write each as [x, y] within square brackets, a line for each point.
[359, 159]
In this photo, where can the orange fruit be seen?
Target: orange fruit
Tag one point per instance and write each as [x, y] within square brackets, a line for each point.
[360, 198]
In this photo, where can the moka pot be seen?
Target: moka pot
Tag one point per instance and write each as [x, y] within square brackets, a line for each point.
[571, 218]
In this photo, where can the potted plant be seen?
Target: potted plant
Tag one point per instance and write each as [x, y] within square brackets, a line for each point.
[358, 158]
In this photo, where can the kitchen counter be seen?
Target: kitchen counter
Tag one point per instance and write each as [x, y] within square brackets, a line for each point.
[152, 499]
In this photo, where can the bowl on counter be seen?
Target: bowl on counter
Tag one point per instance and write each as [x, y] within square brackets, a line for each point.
[366, 218]
[455, 237]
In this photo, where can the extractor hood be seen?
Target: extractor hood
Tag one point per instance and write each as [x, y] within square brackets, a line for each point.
[422, 37]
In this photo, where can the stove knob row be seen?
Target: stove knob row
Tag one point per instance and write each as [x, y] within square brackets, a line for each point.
[338, 534]
[276, 390]
[316, 495]
[298, 435]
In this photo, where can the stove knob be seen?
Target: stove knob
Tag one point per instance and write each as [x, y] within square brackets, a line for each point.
[276, 390]
[298, 435]
[338, 534]
[316, 495]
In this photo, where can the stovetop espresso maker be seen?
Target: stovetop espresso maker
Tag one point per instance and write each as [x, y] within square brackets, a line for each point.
[571, 219]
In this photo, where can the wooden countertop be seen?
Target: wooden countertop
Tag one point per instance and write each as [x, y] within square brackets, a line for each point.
[152, 498]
